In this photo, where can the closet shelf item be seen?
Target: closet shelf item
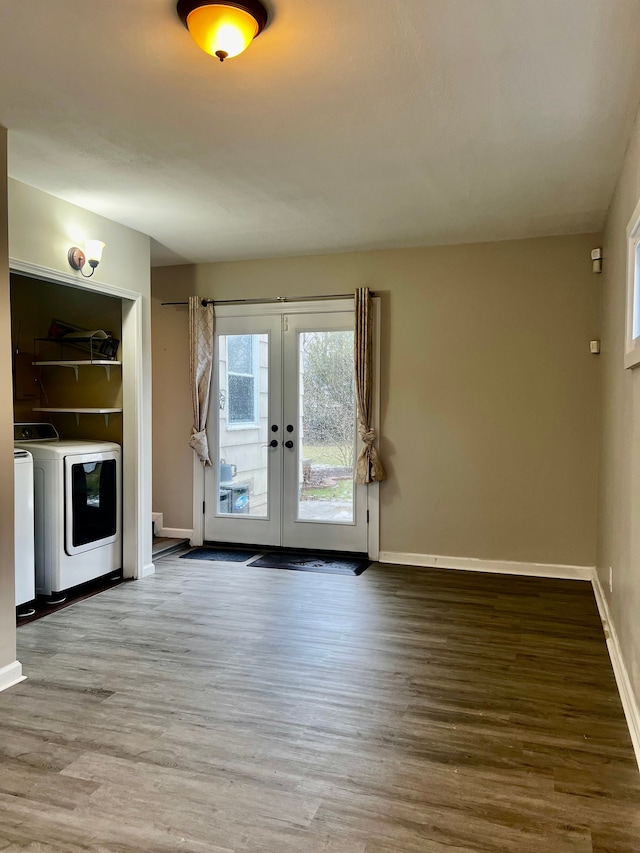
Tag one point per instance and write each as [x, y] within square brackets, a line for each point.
[78, 411]
[96, 344]
[77, 363]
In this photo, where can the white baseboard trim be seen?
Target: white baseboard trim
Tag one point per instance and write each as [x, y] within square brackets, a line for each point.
[175, 533]
[169, 532]
[11, 674]
[504, 567]
[627, 697]
[147, 570]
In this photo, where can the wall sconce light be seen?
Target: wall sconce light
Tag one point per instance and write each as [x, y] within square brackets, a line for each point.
[92, 255]
[223, 28]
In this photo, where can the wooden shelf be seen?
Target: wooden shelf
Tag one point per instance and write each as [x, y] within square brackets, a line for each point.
[75, 364]
[79, 411]
[79, 361]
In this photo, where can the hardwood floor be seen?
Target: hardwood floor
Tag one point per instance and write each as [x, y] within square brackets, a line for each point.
[222, 708]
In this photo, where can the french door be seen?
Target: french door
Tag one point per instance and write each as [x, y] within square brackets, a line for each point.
[282, 432]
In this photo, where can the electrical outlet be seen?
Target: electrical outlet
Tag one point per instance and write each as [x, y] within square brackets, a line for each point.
[610, 579]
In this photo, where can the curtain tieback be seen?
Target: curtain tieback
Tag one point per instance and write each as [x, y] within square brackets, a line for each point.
[199, 443]
[368, 436]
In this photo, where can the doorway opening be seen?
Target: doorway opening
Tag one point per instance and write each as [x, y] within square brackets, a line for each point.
[282, 432]
[121, 310]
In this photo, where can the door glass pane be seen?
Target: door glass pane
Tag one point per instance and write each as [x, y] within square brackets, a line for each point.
[326, 431]
[240, 349]
[93, 501]
[243, 404]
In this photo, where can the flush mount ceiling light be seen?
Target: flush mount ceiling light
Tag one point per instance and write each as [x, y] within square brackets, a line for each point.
[91, 255]
[224, 28]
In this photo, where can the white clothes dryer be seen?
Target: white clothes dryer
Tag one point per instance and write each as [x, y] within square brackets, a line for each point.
[23, 527]
[77, 507]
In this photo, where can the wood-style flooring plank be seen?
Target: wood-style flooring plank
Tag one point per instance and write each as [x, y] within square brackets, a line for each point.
[220, 708]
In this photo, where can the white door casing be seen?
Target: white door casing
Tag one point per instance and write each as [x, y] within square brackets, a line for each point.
[136, 453]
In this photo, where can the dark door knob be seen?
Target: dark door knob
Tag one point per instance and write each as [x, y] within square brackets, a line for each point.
[273, 442]
[288, 444]
[289, 427]
[274, 427]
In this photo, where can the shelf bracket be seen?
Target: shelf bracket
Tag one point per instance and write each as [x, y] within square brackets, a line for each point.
[77, 418]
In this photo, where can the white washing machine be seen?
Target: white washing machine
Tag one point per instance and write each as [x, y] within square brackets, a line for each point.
[77, 507]
[23, 527]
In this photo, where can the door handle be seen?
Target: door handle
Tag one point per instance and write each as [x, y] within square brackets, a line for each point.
[288, 444]
[274, 427]
[289, 427]
[272, 443]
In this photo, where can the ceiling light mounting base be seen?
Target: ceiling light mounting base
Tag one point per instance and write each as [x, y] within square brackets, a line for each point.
[253, 7]
[223, 28]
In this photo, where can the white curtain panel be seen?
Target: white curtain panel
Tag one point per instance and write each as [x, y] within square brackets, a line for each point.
[368, 465]
[201, 327]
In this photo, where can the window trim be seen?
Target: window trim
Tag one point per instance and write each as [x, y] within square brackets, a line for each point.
[255, 375]
[632, 345]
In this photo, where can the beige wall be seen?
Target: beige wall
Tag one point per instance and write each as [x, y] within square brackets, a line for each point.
[7, 595]
[619, 508]
[489, 392]
[42, 228]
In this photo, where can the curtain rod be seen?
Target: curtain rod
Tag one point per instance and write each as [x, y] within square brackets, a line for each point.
[269, 300]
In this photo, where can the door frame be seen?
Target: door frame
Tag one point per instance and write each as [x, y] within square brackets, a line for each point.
[320, 306]
[136, 457]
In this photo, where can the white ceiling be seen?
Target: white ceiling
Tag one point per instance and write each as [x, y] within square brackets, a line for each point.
[348, 124]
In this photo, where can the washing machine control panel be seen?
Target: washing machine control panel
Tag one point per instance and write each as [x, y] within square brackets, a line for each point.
[35, 432]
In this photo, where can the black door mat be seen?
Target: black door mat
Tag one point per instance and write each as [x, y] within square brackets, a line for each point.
[219, 555]
[300, 561]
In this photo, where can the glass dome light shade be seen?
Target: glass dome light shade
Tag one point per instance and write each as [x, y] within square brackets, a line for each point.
[222, 30]
[93, 250]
